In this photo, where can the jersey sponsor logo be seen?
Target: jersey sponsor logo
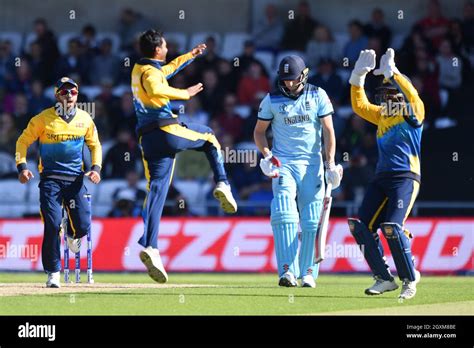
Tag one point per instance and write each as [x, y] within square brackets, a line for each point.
[79, 125]
[297, 119]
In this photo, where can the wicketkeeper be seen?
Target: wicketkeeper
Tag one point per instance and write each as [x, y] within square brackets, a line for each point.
[300, 114]
[62, 131]
[390, 197]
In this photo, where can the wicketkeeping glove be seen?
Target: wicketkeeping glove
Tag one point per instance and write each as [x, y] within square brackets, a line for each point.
[364, 64]
[387, 65]
[269, 165]
[333, 174]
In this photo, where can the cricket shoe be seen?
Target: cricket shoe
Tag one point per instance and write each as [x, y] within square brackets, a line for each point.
[223, 194]
[380, 286]
[288, 280]
[308, 281]
[74, 244]
[53, 280]
[152, 261]
[409, 287]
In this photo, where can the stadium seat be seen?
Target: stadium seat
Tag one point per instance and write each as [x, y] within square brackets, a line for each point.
[33, 167]
[49, 92]
[116, 42]
[142, 184]
[63, 41]
[243, 110]
[179, 38]
[267, 59]
[397, 41]
[15, 39]
[12, 191]
[121, 89]
[443, 97]
[201, 37]
[233, 44]
[30, 37]
[32, 198]
[194, 192]
[344, 74]
[102, 200]
[90, 91]
[7, 164]
[107, 188]
[341, 39]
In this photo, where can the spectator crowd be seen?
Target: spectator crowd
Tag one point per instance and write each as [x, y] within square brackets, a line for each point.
[437, 55]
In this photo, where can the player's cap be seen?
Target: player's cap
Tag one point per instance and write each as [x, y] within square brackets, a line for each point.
[62, 81]
[291, 67]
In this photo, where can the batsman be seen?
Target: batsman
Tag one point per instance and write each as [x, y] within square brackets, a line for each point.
[299, 113]
[390, 196]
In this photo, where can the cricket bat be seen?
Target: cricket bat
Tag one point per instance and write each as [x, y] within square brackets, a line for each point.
[322, 231]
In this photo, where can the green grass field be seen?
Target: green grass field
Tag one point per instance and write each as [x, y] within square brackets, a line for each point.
[227, 294]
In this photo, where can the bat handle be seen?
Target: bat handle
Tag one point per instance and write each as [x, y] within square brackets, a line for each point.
[328, 190]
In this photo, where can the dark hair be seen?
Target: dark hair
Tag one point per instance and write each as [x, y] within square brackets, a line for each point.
[148, 42]
[356, 23]
[89, 28]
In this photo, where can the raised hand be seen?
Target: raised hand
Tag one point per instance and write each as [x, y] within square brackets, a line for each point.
[364, 64]
[387, 64]
[198, 50]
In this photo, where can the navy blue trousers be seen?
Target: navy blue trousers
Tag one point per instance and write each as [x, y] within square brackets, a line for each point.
[388, 200]
[54, 195]
[159, 148]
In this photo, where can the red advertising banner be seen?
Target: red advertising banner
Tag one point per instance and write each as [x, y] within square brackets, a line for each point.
[440, 245]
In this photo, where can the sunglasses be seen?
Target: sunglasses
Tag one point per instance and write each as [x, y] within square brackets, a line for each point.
[64, 92]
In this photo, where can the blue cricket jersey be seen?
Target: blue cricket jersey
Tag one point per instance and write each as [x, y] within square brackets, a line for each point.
[296, 124]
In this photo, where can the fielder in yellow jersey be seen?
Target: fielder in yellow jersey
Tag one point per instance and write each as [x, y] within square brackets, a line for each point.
[161, 136]
[399, 118]
[62, 131]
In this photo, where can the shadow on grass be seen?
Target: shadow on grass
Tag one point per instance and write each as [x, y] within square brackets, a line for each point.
[131, 294]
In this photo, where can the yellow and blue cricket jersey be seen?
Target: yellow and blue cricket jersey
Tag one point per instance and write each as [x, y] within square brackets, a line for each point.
[398, 133]
[152, 93]
[61, 143]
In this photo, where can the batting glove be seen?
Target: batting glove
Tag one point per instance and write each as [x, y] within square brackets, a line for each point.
[364, 64]
[333, 174]
[270, 165]
[387, 65]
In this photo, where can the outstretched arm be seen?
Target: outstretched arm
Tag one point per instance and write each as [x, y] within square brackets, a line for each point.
[179, 63]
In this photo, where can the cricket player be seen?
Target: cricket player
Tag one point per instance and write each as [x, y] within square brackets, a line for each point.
[62, 131]
[161, 136]
[390, 197]
[298, 113]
